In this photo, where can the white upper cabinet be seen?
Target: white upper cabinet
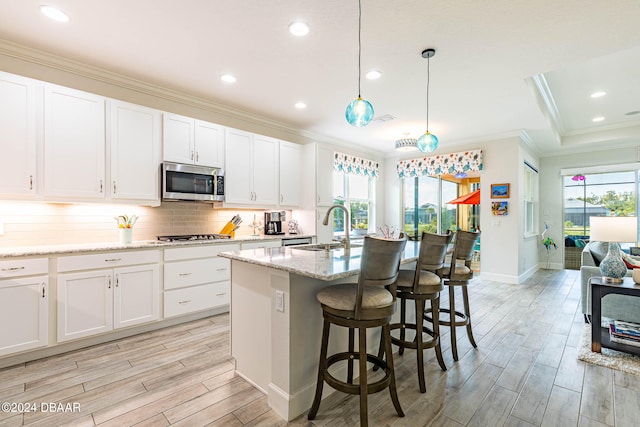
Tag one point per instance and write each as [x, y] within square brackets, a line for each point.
[74, 144]
[251, 169]
[135, 152]
[290, 174]
[192, 141]
[265, 170]
[209, 144]
[18, 110]
[324, 176]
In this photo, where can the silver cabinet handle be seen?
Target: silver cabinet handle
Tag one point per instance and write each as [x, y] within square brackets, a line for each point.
[43, 289]
[114, 187]
[197, 156]
[191, 154]
[30, 182]
[221, 295]
[221, 269]
[117, 280]
[13, 269]
[185, 274]
[101, 186]
[113, 259]
[109, 282]
[187, 301]
[281, 198]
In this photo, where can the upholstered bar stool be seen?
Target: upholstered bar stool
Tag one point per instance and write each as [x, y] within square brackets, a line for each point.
[457, 275]
[362, 305]
[421, 285]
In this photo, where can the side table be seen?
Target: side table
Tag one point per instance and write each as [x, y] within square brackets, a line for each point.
[600, 335]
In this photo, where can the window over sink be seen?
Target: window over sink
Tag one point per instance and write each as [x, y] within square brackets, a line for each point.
[357, 194]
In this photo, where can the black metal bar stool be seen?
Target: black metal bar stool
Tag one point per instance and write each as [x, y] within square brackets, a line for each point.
[421, 285]
[457, 275]
[367, 304]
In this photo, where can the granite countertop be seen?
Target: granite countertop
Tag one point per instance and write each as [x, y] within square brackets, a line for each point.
[46, 250]
[319, 264]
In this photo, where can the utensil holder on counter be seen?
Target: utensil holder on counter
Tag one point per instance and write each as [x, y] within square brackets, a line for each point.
[126, 235]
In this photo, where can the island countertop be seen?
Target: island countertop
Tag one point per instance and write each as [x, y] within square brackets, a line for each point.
[318, 264]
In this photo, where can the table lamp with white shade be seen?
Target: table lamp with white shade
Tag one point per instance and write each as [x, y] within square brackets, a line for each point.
[613, 229]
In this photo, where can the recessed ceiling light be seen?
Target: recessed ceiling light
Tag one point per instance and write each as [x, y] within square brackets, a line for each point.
[300, 105]
[598, 94]
[373, 75]
[54, 13]
[597, 119]
[298, 28]
[228, 78]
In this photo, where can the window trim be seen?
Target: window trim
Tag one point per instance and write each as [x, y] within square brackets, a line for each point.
[530, 196]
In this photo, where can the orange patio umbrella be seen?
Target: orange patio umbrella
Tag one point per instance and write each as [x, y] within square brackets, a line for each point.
[472, 198]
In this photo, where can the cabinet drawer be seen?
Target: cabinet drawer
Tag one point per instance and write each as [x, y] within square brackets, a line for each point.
[262, 244]
[108, 259]
[188, 300]
[23, 267]
[177, 254]
[196, 272]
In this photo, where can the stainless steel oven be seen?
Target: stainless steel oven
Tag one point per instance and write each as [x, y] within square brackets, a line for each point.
[192, 182]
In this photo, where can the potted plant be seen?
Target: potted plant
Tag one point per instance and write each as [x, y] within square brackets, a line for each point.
[362, 228]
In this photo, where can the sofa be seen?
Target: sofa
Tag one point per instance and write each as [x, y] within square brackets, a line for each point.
[619, 307]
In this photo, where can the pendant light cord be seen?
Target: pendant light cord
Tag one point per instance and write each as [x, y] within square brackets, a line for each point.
[359, 42]
[428, 74]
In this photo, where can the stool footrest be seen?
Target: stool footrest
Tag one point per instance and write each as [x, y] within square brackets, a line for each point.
[464, 319]
[434, 341]
[354, 388]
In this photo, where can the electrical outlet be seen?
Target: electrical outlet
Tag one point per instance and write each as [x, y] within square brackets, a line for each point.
[280, 301]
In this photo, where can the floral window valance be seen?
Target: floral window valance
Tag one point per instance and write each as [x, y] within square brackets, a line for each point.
[441, 164]
[355, 165]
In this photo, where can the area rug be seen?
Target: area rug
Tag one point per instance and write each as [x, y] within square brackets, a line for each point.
[609, 358]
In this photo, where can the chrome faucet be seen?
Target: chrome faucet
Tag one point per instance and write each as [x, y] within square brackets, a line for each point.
[325, 221]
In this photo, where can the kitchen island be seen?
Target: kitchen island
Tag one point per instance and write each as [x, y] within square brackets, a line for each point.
[276, 321]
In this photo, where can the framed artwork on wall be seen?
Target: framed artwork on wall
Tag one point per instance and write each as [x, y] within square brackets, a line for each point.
[500, 208]
[499, 191]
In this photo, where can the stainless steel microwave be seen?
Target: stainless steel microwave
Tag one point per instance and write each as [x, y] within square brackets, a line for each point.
[192, 182]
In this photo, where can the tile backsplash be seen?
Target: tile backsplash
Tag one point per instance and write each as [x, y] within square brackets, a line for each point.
[37, 223]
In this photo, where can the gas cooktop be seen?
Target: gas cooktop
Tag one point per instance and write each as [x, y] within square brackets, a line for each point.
[187, 237]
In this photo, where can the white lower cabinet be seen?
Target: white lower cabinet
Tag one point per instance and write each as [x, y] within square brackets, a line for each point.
[196, 279]
[24, 305]
[100, 300]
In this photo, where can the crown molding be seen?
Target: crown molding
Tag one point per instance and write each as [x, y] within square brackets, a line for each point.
[546, 102]
[45, 59]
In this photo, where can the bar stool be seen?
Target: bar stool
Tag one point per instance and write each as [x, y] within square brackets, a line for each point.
[367, 304]
[458, 274]
[421, 285]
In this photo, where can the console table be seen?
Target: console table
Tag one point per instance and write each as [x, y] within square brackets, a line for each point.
[600, 335]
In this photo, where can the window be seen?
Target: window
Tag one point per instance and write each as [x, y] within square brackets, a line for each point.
[596, 194]
[357, 194]
[425, 207]
[530, 200]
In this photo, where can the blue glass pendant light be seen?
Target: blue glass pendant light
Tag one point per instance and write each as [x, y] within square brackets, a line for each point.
[427, 142]
[360, 111]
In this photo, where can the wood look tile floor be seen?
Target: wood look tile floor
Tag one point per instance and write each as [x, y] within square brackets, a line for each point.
[523, 373]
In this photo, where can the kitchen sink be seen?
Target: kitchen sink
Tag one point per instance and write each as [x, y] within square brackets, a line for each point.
[325, 246]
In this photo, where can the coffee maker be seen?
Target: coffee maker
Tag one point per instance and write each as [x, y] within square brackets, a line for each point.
[273, 222]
